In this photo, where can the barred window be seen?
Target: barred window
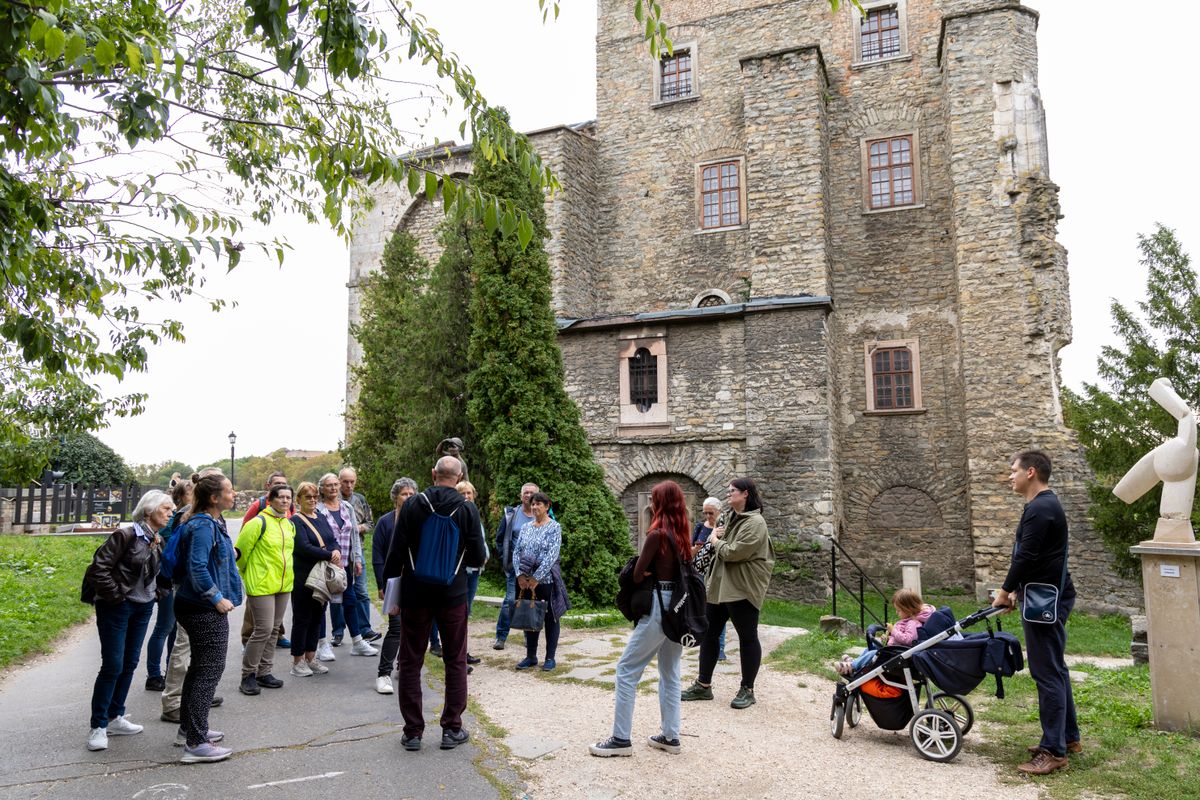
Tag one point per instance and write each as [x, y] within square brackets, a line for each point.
[891, 172]
[720, 195]
[892, 375]
[880, 34]
[643, 379]
[676, 75]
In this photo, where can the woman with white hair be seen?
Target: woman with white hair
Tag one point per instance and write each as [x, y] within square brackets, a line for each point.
[122, 582]
[711, 512]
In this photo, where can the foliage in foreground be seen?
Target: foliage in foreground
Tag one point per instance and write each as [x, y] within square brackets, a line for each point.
[1117, 422]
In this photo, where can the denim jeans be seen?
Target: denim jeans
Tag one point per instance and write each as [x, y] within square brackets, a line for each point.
[122, 628]
[354, 611]
[162, 636]
[647, 641]
[504, 622]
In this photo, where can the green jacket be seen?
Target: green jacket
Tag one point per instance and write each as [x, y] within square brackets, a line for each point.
[744, 561]
[266, 562]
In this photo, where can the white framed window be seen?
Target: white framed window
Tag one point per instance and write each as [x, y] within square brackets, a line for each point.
[643, 378]
[881, 32]
[893, 371]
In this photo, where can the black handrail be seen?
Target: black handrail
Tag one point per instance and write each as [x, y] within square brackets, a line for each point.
[860, 597]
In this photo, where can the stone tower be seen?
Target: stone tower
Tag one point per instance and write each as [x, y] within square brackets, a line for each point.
[818, 250]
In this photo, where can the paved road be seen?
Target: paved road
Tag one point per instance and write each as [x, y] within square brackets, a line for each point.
[333, 731]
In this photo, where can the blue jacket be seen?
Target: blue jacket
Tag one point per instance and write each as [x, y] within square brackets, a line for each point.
[212, 574]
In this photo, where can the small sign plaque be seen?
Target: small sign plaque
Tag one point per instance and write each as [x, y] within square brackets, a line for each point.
[1168, 570]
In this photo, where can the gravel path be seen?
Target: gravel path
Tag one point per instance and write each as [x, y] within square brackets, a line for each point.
[780, 747]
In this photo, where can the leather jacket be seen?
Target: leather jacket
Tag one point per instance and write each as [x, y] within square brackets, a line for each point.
[124, 561]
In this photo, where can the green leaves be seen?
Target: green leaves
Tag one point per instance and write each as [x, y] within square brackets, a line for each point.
[105, 53]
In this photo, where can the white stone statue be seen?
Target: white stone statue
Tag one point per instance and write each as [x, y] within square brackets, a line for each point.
[1173, 462]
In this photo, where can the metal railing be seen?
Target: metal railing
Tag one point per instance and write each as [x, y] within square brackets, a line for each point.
[859, 596]
[70, 503]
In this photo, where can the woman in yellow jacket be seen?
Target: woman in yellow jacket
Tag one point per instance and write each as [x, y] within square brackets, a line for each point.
[264, 557]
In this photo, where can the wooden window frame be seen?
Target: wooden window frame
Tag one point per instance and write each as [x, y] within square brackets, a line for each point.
[740, 163]
[918, 198]
[857, 20]
[914, 351]
[657, 75]
[656, 417]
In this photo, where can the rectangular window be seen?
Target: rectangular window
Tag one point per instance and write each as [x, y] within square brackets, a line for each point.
[675, 76]
[893, 376]
[891, 172]
[879, 36]
[642, 381]
[721, 195]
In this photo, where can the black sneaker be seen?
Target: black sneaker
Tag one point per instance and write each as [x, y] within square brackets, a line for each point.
[336, 641]
[436, 649]
[612, 746]
[249, 685]
[411, 743]
[452, 739]
[372, 636]
[268, 681]
[155, 683]
[216, 701]
[472, 659]
[661, 742]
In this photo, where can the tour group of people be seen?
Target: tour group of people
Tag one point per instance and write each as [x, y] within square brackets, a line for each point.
[288, 532]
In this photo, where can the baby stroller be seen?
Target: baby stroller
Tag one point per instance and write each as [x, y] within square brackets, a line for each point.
[944, 666]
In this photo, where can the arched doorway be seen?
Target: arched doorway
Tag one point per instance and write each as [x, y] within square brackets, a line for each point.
[635, 500]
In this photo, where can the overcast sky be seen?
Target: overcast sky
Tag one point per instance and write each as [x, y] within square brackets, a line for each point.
[1120, 105]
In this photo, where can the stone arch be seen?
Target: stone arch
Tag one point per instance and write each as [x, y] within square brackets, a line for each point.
[635, 497]
[711, 297]
[695, 461]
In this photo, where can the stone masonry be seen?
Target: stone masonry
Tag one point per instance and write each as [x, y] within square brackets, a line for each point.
[762, 329]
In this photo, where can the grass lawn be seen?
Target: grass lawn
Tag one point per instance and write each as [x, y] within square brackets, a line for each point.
[40, 577]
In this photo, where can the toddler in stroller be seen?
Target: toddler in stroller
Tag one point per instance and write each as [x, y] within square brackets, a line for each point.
[944, 665]
[913, 613]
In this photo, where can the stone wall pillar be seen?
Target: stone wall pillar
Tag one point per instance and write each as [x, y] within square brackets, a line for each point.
[787, 171]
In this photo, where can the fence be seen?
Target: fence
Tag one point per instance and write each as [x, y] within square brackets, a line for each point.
[73, 503]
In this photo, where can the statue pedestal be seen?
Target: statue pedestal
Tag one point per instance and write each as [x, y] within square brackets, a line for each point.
[1171, 580]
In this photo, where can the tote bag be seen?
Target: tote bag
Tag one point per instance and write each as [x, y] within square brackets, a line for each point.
[529, 614]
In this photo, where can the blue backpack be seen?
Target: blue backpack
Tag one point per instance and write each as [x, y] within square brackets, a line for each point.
[168, 563]
[439, 547]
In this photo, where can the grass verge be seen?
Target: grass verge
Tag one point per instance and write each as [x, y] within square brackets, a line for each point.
[40, 578]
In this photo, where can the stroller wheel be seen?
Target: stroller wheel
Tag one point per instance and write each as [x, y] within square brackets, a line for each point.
[957, 707]
[837, 716]
[935, 734]
[854, 711]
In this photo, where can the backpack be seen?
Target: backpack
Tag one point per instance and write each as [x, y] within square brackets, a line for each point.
[169, 566]
[686, 620]
[439, 545]
[634, 600]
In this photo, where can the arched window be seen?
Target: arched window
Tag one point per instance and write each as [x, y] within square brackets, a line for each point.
[643, 379]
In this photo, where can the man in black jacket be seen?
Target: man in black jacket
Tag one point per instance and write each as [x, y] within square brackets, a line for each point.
[1039, 556]
[422, 602]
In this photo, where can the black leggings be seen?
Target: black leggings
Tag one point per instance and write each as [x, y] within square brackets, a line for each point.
[208, 633]
[307, 615]
[744, 617]
[542, 592]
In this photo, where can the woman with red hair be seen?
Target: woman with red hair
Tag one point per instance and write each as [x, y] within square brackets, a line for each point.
[668, 541]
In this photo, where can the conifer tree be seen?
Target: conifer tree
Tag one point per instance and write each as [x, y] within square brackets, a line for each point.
[529, 427]
[1118, 423]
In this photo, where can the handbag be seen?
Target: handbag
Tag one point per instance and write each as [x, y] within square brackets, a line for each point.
[704, 558]
[528, 614]
[1039, 601]
[325, 578]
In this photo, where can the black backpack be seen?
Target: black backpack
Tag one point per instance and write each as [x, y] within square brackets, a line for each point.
[686, 620]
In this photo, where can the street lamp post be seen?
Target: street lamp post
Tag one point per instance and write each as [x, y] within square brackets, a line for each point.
[232, 442]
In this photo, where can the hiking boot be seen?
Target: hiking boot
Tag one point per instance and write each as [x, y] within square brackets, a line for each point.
[473, 659]
[123, 727]
[301, 669]
[527, 662]
[436, 650]
[268, 681]
[97, 739]
[697, 692]
[1043, 763]
[743, 699]
[411, 743]
[170, 716]
[205, 752]
[612, 746]
[498, 644]
[1072, 747]
[155, 683]
[383, 684]
[249, 686]
[661, 742]
[452, 739]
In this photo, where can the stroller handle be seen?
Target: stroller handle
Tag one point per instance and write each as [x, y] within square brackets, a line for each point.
[980, 615]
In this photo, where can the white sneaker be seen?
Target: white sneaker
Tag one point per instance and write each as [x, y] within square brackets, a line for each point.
[301, 670]
[325, 652]
[123, 727]
[317, 667]
[383, 684]
[97, 739]
[362, 648]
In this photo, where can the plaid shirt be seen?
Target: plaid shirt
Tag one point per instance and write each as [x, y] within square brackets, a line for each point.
[346, 534]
